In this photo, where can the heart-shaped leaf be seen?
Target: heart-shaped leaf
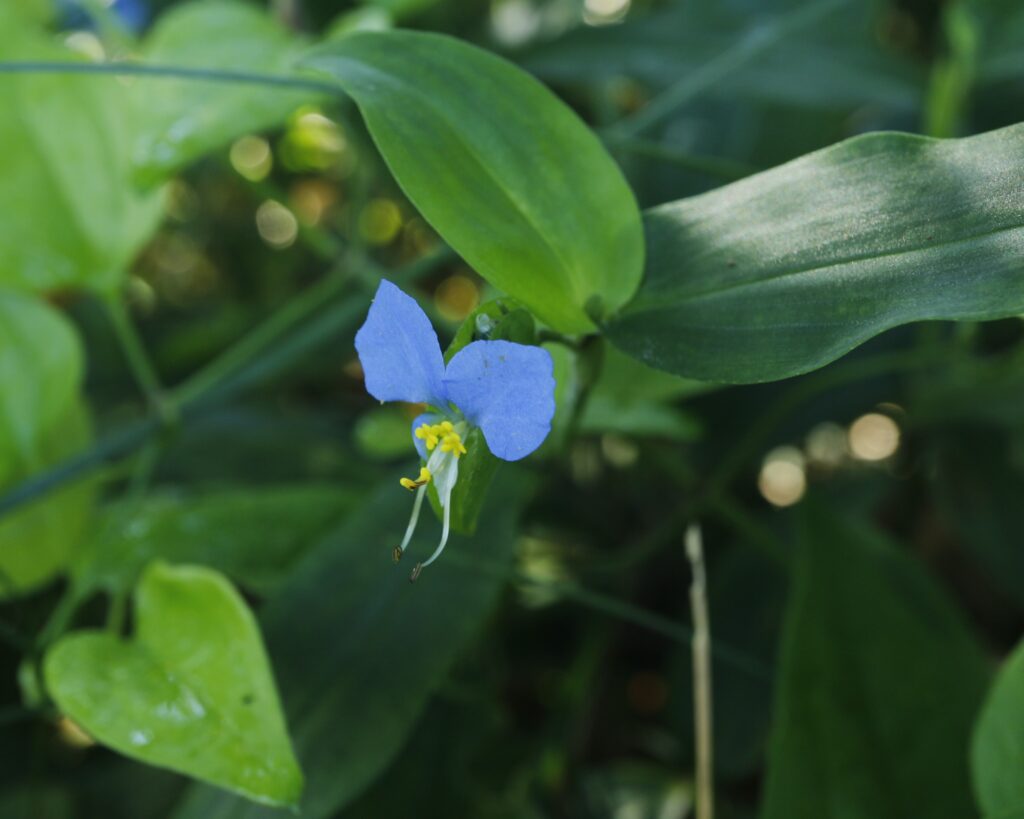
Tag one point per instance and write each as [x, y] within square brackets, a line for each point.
[503, 170]
[192, 691]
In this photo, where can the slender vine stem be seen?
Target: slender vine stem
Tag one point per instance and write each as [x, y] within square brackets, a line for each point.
[268, 351]
[726, 63]
[725, 170]
[620, 610]
[141, 365]
[759, 433]
[172, 72]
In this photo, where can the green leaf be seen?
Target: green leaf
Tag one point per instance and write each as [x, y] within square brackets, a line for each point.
[783, 272]
[71, 216]
[997, 748]
[41, 368]
[253, 534]
[878, 683]
[38, 540]
[359, 650]
[192, 691]
[42, 421]
[503, 170]
[185, 119]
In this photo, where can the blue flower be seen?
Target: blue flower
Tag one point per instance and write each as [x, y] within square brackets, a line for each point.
[505, 389]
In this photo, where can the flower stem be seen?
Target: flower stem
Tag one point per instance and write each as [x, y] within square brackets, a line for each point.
[701, 650]
[141, 365]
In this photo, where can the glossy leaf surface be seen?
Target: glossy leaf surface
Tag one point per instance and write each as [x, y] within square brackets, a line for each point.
[192, 691]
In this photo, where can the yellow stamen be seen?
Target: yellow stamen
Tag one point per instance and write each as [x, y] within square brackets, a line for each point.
[428, 434]
[452, 442]
[410, 484]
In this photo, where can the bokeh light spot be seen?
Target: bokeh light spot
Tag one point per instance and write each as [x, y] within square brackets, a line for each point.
[874, 437]
[456, 297]
[277, 225]
[251, 157]
[783, 481]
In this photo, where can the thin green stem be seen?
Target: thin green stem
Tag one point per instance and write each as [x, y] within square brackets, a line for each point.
[261, 338]
[12, 714]
[170, 72]
[268, 351]
[725, 507]
[620, 610]
[142, 368]
[725, 170]
[60, 617]
[759, 433]
[728, 62]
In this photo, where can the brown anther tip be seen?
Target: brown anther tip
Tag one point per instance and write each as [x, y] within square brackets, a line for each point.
[396, 554]
[416, 573]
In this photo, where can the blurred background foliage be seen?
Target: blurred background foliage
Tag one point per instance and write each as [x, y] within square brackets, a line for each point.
[862, 522]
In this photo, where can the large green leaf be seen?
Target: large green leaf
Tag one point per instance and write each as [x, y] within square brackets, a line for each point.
[879, 681]
[192, 691]
[503, 170]
[359, 649]
[183, 119]
[786, 271]
[997, 749]
[254, 534]
[42, 421]
[71, 216]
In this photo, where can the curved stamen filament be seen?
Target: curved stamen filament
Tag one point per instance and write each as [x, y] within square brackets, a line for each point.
[417, 504]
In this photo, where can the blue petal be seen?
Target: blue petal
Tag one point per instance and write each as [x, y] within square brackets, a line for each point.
[507, 390]
[399, 351]
[424, 418]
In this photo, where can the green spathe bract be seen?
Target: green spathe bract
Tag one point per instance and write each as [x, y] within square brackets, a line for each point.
[783, 272]
[192, 691]
[502, 169]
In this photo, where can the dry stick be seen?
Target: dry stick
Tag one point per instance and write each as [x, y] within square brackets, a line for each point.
[701, 647]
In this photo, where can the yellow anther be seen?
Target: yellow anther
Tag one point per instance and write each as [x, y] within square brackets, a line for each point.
[446, 427]
[428, 434]
[452, 442]
[410, 484]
